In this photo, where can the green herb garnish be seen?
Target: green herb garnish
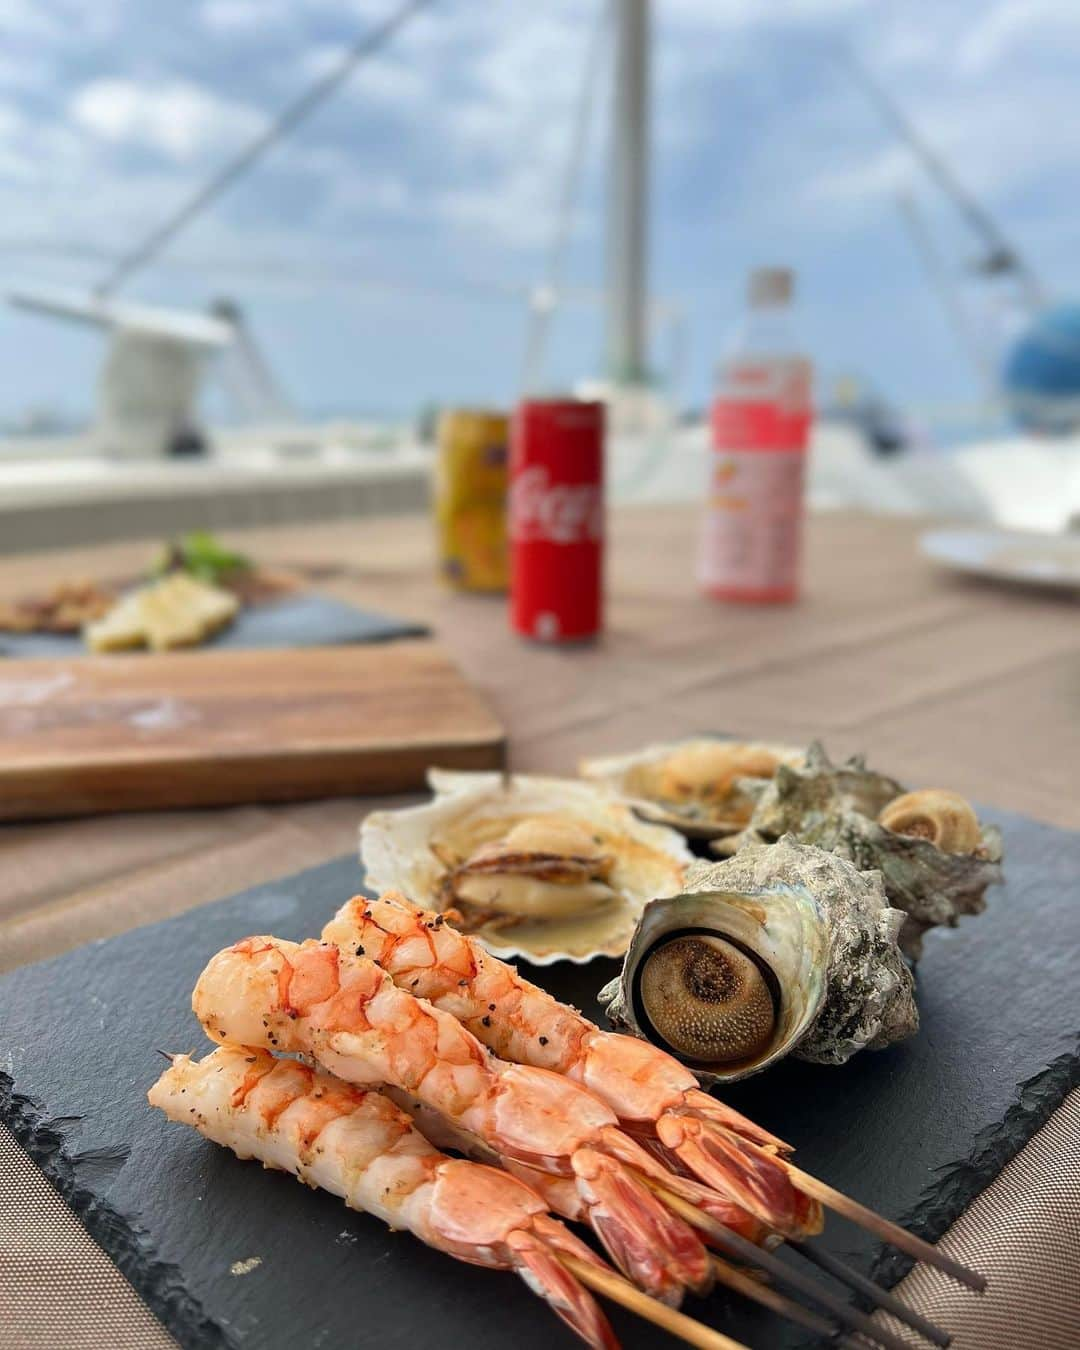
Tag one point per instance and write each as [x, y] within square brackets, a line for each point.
[201, 555]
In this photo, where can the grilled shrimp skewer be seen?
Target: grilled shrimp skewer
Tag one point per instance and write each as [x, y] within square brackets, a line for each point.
[654, 1096]
[347, 1013]
[358, 1145]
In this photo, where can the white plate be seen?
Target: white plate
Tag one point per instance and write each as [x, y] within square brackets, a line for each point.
[1008, 555]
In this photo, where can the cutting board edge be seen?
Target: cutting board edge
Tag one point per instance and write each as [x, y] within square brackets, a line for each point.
[321, 722]
[248, 778]
[178, 756]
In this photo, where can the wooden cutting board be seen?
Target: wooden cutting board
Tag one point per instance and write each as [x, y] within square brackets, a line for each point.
[139, 732]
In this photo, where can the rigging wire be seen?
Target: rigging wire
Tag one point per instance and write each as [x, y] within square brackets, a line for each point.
[941, 282]
[290, 117]
[1001, 256]
[546, 296]
[302, 274]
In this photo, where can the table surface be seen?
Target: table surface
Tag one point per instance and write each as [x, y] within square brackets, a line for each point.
[944, 681]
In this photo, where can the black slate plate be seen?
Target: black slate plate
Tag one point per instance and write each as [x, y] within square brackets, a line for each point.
[305, 620]
[916, 1131]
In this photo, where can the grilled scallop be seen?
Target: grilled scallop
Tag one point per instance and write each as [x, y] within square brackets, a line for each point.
[545, 868]
[703, 787]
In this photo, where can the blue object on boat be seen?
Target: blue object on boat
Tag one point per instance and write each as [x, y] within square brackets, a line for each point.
[1041, 379]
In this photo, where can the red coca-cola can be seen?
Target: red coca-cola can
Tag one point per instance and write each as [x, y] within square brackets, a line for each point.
[557, 519]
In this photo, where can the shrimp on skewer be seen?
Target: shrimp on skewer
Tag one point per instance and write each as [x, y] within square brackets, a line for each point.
[562, 1193]
[360, 1146]
[656, 1099]
[347, 1014]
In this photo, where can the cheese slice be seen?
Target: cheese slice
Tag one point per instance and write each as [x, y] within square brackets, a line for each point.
[182, 612]
[177, 611]
[120, 629]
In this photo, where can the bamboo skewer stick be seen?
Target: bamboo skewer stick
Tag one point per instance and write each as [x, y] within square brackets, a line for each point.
[770, 1298]
[874, 1223]
[888, 1302]
[620, 1290]
[883, 1228]
[731, 1244]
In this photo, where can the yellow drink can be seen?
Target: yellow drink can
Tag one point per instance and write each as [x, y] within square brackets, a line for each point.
[470, 498]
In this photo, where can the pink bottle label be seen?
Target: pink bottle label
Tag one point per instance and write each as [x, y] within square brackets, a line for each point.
[753, 524]
[741, 424]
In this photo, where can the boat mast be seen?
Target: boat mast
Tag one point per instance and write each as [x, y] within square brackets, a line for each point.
[627, 317]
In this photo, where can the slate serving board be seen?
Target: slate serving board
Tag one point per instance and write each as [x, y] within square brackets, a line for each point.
[305, 620]
[916, 1131]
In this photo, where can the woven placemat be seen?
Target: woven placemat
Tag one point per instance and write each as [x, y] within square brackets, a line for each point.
[1023, 1234]
[58, 1289]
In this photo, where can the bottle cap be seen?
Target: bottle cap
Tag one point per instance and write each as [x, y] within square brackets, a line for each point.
[771, 286]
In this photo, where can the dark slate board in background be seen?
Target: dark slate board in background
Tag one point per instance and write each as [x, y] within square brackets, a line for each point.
[916, 1131]
[304, 620]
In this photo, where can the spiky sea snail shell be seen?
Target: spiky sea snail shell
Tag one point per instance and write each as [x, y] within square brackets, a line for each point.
[944, 818]
[707, 1000]
[937, 859]
[782, 949]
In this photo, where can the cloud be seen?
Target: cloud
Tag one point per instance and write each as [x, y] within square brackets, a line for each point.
[999, 137]
[387, 81]
[866, 181]
[229, 16]
[445, 154]
[177, 119]
[1005, 29]
[744, 14]
[27, 19]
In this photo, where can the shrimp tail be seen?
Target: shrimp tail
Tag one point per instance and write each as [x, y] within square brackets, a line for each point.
[652, 1246]
[702, 1104]
[535, 1255]
[747, 1174]
[664, 1171]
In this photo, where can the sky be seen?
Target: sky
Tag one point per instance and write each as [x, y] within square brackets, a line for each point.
[384, 253]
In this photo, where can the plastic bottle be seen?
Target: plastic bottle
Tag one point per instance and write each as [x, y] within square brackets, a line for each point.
[759, 429]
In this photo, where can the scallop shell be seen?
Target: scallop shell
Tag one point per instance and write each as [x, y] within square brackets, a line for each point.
[471, 809]
[823, 935]
[837, 807]
[629, 775]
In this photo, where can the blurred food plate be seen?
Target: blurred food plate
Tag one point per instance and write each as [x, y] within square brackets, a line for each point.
[299, 620]
[1008, 555]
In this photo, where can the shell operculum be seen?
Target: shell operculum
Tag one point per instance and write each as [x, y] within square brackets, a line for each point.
[782, 949]
[707, 998]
